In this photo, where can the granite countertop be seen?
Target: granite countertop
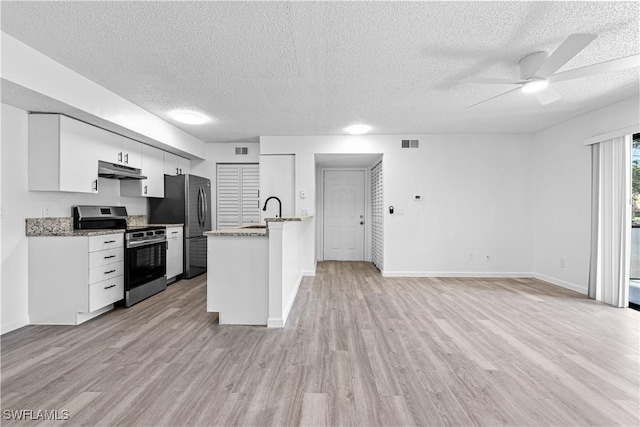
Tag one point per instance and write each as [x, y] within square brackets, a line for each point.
[63, 226]
[238, 232]
[60, 227]
[252, 230]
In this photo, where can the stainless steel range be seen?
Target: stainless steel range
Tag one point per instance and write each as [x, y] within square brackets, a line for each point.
[145, 255]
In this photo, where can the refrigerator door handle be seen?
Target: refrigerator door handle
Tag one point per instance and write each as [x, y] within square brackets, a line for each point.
[202, 208]
[205, 206]
[199, 207]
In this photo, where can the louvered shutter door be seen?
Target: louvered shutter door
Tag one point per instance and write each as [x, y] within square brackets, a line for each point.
[377, 214]
[238, 195]
[228, 195]
[250, 185]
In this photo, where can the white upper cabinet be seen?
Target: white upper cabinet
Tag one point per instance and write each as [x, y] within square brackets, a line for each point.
[153, 169]
[114, 148]
[176, 165]
[62, 156]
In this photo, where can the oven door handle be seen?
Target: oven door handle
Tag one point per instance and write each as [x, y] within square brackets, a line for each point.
[144, 243]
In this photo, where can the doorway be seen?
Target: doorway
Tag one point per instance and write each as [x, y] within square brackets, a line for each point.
[344, 215]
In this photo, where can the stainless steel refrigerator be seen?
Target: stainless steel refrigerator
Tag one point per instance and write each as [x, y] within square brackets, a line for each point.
[187, 200]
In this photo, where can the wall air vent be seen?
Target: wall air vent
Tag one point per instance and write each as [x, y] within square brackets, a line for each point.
[410, 143]
[242, 151]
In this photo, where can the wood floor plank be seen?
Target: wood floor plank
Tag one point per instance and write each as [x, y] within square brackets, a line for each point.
[358, 349]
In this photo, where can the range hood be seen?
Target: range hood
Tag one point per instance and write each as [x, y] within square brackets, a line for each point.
[116, 171]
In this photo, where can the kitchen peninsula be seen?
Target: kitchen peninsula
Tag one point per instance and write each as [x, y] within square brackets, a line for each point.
[254, 272]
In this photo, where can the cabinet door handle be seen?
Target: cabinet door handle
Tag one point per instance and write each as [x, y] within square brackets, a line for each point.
[110, 256]
[109, 272]
[95, 185]
[177, 171]
[109, 241]
[174, 232]
[126, 158]
[180, 171]
[112, 286]
[145, 189]
[120, 157]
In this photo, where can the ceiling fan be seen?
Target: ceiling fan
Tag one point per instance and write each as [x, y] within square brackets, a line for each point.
[538, 70]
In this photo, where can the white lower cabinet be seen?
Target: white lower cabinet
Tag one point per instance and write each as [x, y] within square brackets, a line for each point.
[74, 278]
[175, 252]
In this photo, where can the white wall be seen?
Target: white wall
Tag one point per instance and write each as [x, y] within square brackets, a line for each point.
[277, 178]
[477, 198]
[222, 152]
[562, 195]
[18, 203]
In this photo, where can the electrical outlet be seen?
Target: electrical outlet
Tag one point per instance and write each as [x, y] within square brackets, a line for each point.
[487, 257]
[563, 263]
[46, 211]
[471, 256]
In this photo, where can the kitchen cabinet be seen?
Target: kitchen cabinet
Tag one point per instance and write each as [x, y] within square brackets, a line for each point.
[62, 155]
[175, 252]
[176, 165]
[74, 278]
[153, 169]
[120, 150]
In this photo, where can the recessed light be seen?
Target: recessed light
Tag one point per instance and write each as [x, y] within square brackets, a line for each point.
[535, 85]
[358, 129]
[189, 117]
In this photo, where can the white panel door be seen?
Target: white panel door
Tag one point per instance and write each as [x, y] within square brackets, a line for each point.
[343, 215]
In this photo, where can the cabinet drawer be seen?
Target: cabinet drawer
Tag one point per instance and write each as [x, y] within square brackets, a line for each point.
[104, 272]
[110, 256]
[174, 232]
[106, 241]
[106, 292]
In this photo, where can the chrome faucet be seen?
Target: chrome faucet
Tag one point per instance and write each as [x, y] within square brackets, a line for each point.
[279, 205]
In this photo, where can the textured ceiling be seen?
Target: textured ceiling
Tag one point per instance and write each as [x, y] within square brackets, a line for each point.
[312, 68]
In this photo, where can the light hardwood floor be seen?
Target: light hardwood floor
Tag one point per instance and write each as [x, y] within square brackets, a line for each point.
[358, 349]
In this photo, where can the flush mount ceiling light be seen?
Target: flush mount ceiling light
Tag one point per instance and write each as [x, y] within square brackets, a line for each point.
[533, 86]
[189, 117]
[358, 129]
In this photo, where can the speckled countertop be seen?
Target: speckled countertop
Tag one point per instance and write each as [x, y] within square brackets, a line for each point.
[251, 230]
[238, 232]
[63, 226]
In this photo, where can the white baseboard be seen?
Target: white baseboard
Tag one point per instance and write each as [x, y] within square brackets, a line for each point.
[290, 303]
[12, 326]
[275, 322]
[561, 283]
[456, 274]
[308, 273]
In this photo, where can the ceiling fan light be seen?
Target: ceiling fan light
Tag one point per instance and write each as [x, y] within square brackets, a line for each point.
[536, 85]
[358, 129]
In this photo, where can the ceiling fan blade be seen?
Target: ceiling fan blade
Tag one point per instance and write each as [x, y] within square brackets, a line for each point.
[492, 81]
[547, 95]
[567, 50]
[489, 99]
[602, 67]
